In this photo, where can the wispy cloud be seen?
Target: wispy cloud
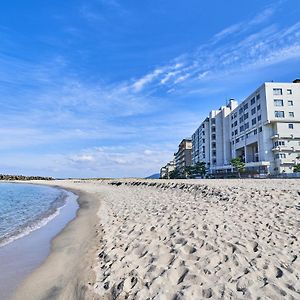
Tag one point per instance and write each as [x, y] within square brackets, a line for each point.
[117, 160]
[253, 43]
[142, 82]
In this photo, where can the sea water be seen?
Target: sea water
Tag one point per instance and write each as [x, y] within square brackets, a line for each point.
[30, 217]
[26, 207]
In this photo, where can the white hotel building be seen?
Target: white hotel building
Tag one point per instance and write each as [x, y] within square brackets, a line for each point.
[264, 131]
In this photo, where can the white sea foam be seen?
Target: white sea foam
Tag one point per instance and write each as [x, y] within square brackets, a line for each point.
[27, 229]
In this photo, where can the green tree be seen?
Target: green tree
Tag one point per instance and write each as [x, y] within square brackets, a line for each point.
[189, 171]
[200, 168]
[238, 164]
[174, 174]
[297, 168]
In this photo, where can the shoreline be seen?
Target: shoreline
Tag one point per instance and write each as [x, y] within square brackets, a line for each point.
[22, 254]
[67, 268]
[41, 220]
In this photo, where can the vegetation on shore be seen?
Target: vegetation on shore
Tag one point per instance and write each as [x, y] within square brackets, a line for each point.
[22, 177]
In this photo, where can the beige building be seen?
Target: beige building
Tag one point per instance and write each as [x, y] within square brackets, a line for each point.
[263, 130]
[183, 157]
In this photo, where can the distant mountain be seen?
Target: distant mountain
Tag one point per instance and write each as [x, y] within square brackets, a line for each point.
[153, 176]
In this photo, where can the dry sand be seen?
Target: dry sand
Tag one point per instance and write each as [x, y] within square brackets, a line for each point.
[157, 239]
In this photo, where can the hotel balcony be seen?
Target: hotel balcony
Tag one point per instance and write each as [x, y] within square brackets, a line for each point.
[284, 136]
[286, 149]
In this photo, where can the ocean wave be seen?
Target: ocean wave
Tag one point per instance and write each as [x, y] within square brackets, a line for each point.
[41, 220]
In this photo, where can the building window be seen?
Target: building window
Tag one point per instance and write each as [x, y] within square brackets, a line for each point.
[213, 136]
[290, 103]
[279, 143]
[260, 129]
[232, 133]
[259, 118]
[291, 114]
[236, 132]
[203, 141]
[253, 111]
[241, 110]
[252, 100]
[245, 106]
[278, 102]
[237, 140]
[279, 114]
[246, 115]
[277, 91]
[255, 131]
[289, 91]
[291, 126]
[258, 107]
[241, 119]
[213, 121]
[280, 155]
[214, 161]
[246, 126]
[213, 129]
[213, 145]
[254, 121]
[242, 128]
[235, 123]
[257, 96]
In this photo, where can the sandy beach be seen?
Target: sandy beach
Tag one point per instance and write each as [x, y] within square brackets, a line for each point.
[192, 239]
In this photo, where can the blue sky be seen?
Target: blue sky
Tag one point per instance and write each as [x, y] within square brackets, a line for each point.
[108, 88]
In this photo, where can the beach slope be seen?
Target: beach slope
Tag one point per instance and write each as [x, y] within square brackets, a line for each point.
[159, 239]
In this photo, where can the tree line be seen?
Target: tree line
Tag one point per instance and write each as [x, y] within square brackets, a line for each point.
[200, 170]
[22, 177]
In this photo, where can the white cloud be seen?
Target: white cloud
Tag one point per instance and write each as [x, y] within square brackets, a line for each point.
[82, 158]
[229, 30]
[142, 82]
[250, 46]
[148, 152]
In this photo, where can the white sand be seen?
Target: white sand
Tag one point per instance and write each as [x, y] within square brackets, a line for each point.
[218, 239]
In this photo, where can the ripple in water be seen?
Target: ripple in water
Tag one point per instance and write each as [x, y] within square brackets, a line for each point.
[25, 207]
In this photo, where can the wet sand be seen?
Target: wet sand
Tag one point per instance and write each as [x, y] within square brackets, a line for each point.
[67, 270]
[20, 257]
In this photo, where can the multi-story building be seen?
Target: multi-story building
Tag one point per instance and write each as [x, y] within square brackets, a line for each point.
[220, 148]
[264, 131]
[265, 128]
[167, 169]
[211, 141]
[200, 143]
[183, 157]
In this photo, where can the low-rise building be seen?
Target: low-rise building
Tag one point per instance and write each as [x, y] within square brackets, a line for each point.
[167, 169]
